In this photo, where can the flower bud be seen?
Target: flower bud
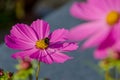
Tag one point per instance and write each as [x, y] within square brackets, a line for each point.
[1, 72]
[25, 64]
[10, 74]
[115, 55]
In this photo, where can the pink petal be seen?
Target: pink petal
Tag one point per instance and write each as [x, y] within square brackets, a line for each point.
[108, 4]
[101, 53]
[41, 28]
[97, 38]
[111, 4]
[24, 54]
[85, 30]
[86, 11]
[117, 5]
[56, 45]
[69, 47]
[58, 35]
[109, 43]
[116, 31]
[48, 56]
[42, 56]
[116, 46]
[23, 32]
[17, 43]
[60, 57]
[105, 5]
[64, 47]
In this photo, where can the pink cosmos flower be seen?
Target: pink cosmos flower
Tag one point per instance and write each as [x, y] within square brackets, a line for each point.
[37, 43]
[103, 26]
[103, 20]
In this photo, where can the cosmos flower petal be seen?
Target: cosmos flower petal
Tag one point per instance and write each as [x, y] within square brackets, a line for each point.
[23, 32]
[116, 46]
[101, 53]
[24, 54]
[97, 38]
[42, 56]
[58, 35]
[60, 57]
[19, 44]
[85, 11]
[112, 4]
[116, 31]
[41, 28]
[105, 46]
[64, 47]
[69, 47]
[108, 42]
[83, 31]
[105, 5]
[117, 5]
[49, 57]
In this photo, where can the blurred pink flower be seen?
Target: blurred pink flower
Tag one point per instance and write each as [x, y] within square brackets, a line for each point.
[36, 42]
[103, 24]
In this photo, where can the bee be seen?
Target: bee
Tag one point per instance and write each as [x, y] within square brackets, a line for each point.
[47, 41]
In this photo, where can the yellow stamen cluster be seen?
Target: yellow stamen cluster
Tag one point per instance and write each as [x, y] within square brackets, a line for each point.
[42, 44]
[113, 17]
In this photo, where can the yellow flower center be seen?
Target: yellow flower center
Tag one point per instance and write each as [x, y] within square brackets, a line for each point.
[42, 44]
[113, 17]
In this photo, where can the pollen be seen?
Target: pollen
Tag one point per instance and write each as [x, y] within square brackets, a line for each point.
[113, 17]
[42, 44]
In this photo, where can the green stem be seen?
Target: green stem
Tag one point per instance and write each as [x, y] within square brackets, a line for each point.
[107, 75]
[38, 70]
[30, 77]
[116, 73]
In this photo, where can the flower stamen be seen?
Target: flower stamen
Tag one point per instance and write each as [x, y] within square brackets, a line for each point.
[42, 44]
[113, 17]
